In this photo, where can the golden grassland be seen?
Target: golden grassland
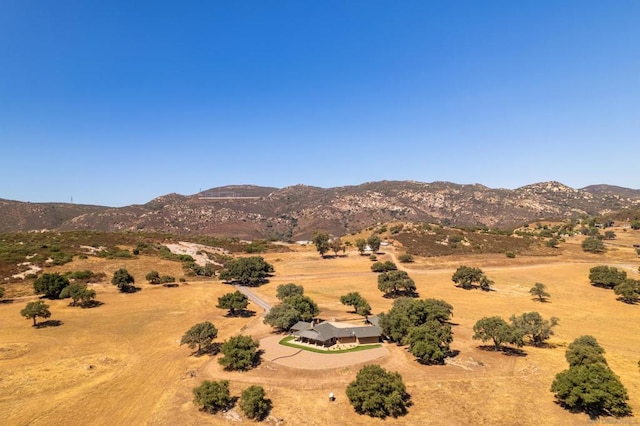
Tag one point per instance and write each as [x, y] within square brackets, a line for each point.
[121, 363]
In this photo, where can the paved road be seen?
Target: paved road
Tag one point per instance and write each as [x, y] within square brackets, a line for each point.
[255, 299]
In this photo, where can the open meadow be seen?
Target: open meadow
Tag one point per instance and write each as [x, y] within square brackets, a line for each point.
[121, 363]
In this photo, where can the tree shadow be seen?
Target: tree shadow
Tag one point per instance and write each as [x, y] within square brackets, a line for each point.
[628, 302]
[544, 300]
[91, 304]
[452, 353]
[241, 313]
[6, 301]
[171, 285]
[130, 289]
[213, 349]
[400, 293]
[49, 323]
[506, 350]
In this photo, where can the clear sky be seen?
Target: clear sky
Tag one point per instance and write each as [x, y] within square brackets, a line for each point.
[116, 102]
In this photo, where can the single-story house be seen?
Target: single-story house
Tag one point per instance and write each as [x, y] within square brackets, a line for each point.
[329, 333]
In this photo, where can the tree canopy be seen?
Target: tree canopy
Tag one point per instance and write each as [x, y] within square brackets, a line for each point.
[78, 292]
[606, 276]
[377, 392]
[593, 245]
[468, 277]
[251, 271]
[123, 280]
[407, 313]
[359, 304]
[534, 327]
[589, 385]
[539, 290]
[628, 290]
[497, 330]
[395, 283]
[201, 336]
[212, 396]
[429, 342]
[374, 243]
[240, 353]
[254, 404]
[234, 302]
[287, 290]
[383, 266]
[153, 277]
[306, 307]
[321, 241]
[51, 285]
[34, 310]
[282, 316]
[584, 350]
[361, 245]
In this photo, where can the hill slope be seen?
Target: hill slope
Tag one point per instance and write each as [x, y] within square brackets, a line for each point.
[295, 212]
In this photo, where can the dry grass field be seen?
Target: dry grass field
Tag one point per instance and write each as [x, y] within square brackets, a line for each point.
[121, 363]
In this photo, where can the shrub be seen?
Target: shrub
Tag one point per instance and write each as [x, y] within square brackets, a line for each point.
[405, 258]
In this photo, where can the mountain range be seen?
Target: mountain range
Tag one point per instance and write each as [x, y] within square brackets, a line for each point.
[295, 212]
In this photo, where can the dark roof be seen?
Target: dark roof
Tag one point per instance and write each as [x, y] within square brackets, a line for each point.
[374, 320]
[301, 325]
[326, 331]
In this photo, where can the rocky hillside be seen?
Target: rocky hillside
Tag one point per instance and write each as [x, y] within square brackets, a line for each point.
[294, 212]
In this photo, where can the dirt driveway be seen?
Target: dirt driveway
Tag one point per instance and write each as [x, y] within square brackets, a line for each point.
[299, 358]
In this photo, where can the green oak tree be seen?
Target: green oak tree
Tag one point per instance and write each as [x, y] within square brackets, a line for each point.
[240, 353]
[537, 329]
[51, 285]
[251, 271]
[123, 280]
[321, 241]
[201, 336]
[539, 290]
[377, 392]
[34, 310]
[497, 330]
[212, 396]
[254, 404]
[235, 302]
[287, 290]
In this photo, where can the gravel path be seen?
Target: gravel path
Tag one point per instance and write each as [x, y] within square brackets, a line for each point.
[252, 296]
[298, 358]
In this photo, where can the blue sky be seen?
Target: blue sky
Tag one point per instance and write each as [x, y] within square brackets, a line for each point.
[117, 102]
